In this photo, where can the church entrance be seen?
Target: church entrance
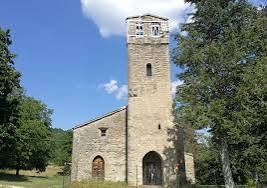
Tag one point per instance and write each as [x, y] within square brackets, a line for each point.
[98, 168]
[152, 169]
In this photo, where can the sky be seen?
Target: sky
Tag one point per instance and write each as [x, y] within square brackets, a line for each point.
[72, 53]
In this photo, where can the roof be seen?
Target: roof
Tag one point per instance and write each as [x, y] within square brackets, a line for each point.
[155, 16]
[100, 117]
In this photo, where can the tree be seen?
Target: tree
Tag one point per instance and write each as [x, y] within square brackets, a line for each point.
[33, 147]
[207, 164]
[222, 45]
[25, 135]
[252, 99]
[10, 91]
[62, 147]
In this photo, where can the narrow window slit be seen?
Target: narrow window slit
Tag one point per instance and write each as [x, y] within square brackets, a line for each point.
[148, 69]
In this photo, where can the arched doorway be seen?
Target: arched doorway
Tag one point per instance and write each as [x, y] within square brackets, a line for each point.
[152, 169]
[98, 168]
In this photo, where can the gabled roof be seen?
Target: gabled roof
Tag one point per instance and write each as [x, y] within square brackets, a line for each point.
[148, 14]
[100, 117]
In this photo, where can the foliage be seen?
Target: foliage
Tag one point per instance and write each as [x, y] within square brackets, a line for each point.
[10, 90]
[251, 184]
[33, 146]
[207, 165]
[251, 139]
[223, 54]
[62, 146]
[24, 122]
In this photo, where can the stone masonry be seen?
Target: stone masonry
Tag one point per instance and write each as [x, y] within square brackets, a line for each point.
[189, 168]
[136, 133]
[150, 101]
[88, 143]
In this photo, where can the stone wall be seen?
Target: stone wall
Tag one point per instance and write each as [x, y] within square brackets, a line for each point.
[88, 143]
[150, 101]
[189, 168]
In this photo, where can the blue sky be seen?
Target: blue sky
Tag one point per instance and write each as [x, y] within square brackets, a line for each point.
[72, 54]
[63, 58]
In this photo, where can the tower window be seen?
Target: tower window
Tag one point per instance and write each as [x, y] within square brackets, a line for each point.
[139, 29]
[148, 69]
[155, 30]
[103, 132]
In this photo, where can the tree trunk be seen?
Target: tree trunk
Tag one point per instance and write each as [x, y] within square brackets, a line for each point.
[17, 166]
[17, 171]
[227, 173]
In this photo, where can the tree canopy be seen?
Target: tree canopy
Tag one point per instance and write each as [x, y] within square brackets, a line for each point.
[25, 123]
[33, 143]
[222, 53]
[10, 91]
[62, 146]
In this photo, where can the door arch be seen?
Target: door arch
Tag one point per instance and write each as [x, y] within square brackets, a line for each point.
[152, 169]
[98, 168]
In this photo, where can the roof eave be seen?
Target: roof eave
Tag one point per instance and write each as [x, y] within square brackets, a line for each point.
[100, 117]
[148, 14]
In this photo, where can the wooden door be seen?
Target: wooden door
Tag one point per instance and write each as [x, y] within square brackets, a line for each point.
[98, 168]
[152, 169]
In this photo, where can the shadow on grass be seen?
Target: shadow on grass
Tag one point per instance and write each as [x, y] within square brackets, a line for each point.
[38, 177]
[19, 178]
[13, 177]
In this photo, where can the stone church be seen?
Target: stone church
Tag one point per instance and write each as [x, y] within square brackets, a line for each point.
[134, 143]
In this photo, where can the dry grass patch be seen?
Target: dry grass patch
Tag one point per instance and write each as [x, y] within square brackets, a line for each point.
[50, 171]
[31, 179]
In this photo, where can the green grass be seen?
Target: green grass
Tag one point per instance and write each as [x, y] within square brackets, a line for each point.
[51, 179]
[48, 179]
[31, 179]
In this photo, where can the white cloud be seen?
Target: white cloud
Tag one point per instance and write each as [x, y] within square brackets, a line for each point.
[122, 92]
[175, 84]
[109, 15]
[112, 87]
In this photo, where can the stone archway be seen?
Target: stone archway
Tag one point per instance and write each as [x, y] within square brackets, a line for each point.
[98, 168]
[152, 169]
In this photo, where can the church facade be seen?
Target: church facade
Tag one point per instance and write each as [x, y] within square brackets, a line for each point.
[134, 143]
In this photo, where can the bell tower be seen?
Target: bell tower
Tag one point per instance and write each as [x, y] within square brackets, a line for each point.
[150, 100]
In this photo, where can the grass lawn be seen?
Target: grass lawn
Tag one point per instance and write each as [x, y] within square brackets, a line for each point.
[48, 179]
[31, 179]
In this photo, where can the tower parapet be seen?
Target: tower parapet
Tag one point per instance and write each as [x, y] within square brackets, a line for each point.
[147, 29]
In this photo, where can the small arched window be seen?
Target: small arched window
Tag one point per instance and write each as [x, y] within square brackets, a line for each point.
[148, 69]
